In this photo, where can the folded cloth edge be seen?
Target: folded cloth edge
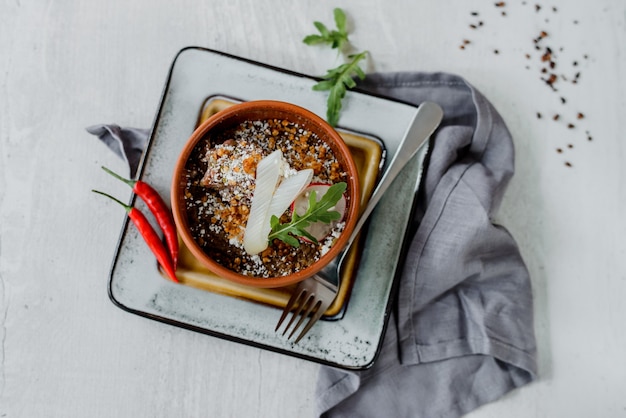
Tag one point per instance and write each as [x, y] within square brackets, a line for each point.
[127, 143]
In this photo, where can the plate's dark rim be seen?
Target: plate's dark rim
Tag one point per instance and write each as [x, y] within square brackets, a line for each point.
[140, 170]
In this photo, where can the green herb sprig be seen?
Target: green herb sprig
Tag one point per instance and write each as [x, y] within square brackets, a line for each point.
[316, 212]
[335, 38]
[337, 80]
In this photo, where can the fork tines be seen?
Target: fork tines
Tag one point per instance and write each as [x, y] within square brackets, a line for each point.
[307, 300]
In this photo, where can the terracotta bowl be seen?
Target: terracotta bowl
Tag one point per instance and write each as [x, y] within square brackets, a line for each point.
[264, 110]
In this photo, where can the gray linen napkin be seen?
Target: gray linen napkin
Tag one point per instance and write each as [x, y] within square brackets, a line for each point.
[461, 333]
[127, 143]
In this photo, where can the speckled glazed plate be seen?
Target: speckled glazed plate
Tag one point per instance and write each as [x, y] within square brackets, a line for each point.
[136, 285]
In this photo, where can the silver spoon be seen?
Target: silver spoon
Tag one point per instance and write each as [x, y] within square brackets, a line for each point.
[426, 120]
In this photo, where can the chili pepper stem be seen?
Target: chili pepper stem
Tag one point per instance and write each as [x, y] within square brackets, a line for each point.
[131, 183]
[127, 207]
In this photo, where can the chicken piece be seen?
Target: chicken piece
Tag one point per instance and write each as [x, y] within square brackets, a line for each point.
[231, 165]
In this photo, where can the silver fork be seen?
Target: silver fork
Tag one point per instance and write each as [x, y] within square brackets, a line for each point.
[315, 294]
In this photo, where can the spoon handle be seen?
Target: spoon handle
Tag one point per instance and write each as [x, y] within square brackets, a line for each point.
[426, 120]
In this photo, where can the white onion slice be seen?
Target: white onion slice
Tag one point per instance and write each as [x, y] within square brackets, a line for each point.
[267, 175]
[287, 191]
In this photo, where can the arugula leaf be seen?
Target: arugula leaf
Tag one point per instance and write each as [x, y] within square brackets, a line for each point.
[335, 38]
[337, 81]
[316, 212]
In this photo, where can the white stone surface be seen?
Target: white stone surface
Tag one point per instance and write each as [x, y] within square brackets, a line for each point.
[66, 350]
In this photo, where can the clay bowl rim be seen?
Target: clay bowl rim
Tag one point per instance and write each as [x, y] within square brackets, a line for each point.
[293, 113]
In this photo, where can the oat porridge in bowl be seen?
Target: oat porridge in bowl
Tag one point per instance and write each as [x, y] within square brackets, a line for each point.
[265, 193]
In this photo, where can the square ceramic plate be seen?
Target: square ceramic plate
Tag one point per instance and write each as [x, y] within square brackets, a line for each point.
[135, 284]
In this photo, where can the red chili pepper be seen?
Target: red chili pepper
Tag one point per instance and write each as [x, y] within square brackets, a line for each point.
[150, 236]
[158, 208]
